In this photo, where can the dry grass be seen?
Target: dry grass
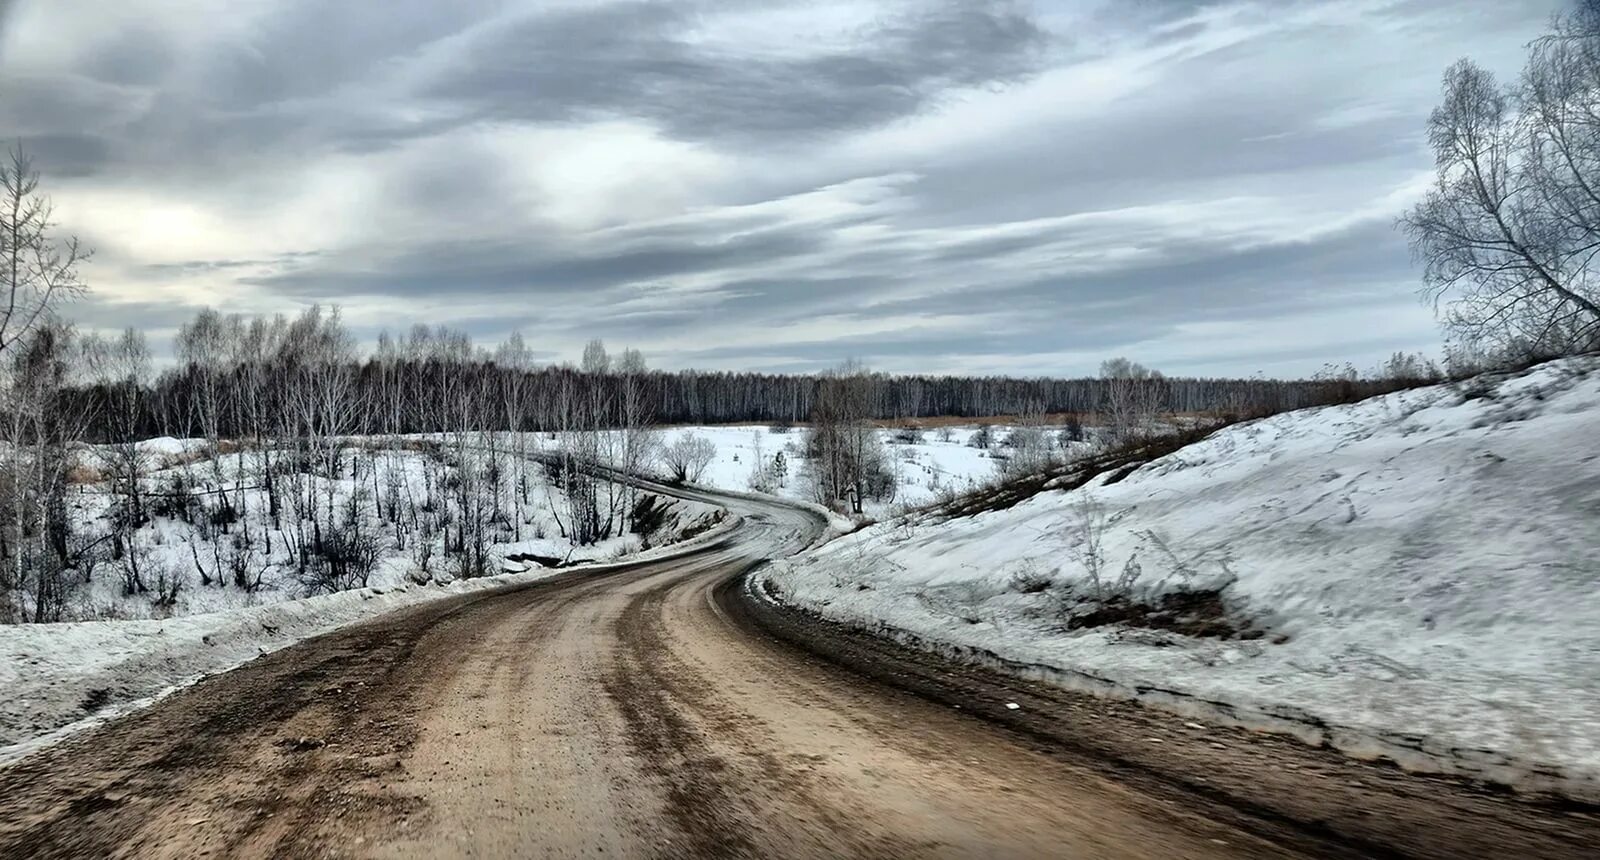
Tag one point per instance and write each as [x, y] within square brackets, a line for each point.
[81, 474]
[173, 461]
[1118, 461]
[1054, 418]
[1190, 613]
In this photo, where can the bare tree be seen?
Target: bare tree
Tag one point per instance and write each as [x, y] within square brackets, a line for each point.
[845, 457]
[38, 269]
[1509, 234]
[36, 528]
[121, 367]
[595, 358]
[1134, 395]
[515, 360]
[687, 458]
[635, 415]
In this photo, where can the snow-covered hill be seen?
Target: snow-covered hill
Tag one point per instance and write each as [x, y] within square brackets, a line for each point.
[1415, 576]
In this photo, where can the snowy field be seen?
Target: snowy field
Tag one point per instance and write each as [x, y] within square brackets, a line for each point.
[940, 462]
[1415, 576]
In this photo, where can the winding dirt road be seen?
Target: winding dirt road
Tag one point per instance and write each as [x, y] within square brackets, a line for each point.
[654, 712]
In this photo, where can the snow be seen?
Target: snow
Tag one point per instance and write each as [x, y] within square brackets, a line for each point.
[1423, 567]
[926, 469]
[170, 543]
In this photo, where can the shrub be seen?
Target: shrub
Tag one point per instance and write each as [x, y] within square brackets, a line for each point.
[345, 560]
[1030, 580]
[910, 434]
[168, 582]
[687, 458]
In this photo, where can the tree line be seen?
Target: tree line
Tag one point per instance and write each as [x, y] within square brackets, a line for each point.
[232, 371]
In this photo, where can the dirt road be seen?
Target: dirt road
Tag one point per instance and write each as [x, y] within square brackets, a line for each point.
[655, 713]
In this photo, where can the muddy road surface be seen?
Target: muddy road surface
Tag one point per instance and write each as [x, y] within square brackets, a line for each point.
[657, 712]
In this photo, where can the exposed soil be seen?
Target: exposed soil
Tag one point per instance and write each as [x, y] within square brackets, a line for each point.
[1201, 613]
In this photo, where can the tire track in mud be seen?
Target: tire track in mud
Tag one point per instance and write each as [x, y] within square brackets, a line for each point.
[671, 749]
[688, 719]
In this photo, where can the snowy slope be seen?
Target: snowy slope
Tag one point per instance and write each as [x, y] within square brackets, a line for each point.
[168, 541]
[1422, 569]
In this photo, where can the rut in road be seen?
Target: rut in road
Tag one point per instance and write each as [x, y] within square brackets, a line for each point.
[653, 712]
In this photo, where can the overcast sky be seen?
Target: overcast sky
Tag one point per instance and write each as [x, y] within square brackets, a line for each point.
[931, 186]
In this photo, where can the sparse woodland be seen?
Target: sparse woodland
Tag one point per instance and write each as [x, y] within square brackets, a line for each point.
[302, 466]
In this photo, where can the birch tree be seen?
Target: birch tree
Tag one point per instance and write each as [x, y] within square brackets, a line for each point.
[121, 369]
[38, 272]
[1509, 234]
[38, 268]
[1134, 396]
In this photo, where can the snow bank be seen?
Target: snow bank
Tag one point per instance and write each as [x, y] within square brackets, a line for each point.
[1423, 568]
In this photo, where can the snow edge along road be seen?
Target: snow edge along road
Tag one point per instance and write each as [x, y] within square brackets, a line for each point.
[1412, 754]
[143, 662]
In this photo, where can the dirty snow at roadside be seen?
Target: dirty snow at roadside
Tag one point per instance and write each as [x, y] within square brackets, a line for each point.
[1420, 572]
[62, 678]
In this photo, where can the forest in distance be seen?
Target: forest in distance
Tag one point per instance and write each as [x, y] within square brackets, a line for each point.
[228, 365]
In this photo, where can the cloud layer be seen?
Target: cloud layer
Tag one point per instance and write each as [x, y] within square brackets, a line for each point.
[941, 185]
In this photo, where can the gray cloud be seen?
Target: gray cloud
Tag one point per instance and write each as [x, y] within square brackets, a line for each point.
[633, 59]
[972, 181]
[472, 268]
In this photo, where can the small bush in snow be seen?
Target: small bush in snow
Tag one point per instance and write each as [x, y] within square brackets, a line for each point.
[1071, 430]
[910, 434]
[1030, 580]
[1087, 530]
[1029, 453]
[168, 582]
[345, 560]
